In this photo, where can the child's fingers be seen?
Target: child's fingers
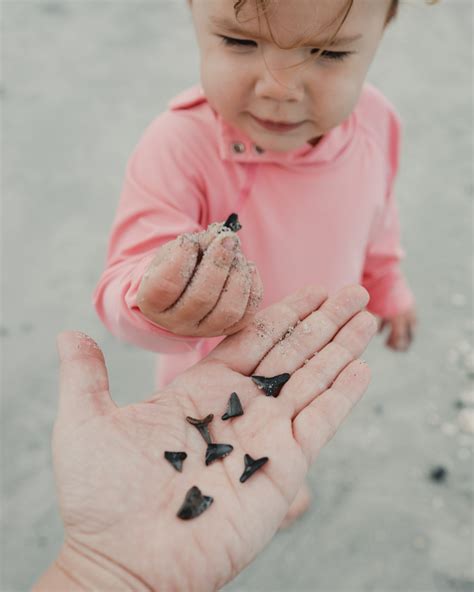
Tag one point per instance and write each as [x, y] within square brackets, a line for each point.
[205, 287]
[400, 336]
[233, 299]
[317, 375]
[253, 302]
[83, 382]
[316, 424]
[168, 275]
[244, 350]
[311, 335]
[212, 231]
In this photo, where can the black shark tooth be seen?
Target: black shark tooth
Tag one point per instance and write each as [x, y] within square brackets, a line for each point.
[217, 451]
[234, 407]
[194, 504]
[176, 459]
[201, 426]
[251, 466]
[233, 223]
[271, 386]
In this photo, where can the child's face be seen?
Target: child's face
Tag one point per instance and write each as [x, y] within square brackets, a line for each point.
[265, 91]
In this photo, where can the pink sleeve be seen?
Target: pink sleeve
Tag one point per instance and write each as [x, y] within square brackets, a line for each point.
[162, 198]
[382, 277]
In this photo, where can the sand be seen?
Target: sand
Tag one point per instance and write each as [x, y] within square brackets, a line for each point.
[82, 81]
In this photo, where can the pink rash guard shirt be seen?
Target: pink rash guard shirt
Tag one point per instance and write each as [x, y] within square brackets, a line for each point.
[323, 214]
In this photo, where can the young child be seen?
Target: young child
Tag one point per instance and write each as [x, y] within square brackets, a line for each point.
[284, 132]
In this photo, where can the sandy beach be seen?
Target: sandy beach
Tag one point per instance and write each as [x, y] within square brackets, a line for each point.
[82, 80]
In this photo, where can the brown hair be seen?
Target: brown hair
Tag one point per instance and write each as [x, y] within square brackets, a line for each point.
[262, 8]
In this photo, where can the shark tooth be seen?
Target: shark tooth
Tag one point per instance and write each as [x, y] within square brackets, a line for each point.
[233, 223]
[195, 503]
[234, 407]
[201, 426]
[271, 386]
[176, 459]
[217, 451]
[252, 465]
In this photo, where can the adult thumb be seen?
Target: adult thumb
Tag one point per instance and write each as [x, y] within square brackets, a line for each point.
[83, 381]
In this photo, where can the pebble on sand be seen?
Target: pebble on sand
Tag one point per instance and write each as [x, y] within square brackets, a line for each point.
[438, 474]
[466, 420]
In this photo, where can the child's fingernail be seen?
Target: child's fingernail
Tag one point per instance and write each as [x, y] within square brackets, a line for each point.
[229, 243]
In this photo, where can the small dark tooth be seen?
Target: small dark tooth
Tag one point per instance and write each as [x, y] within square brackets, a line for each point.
[233, 223]
[271, 386]
[251, 466]
[194, 504]
[201, 426]
[217, 451]
[234, 407]
[176, 459]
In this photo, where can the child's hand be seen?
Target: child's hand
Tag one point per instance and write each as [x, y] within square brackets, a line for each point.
[201, 285]
[402, 330]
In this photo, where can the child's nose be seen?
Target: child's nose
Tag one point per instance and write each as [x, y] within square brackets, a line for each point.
[280, 81]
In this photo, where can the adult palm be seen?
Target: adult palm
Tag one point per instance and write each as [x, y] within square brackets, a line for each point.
[118, 495]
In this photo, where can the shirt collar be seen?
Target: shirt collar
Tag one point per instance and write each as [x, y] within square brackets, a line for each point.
[235, 146]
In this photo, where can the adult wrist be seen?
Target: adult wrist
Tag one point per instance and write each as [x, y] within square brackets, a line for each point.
[78, 569]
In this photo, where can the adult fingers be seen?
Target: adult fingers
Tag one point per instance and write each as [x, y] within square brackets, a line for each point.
[168, 275]
[244, 350]
[83, 381]
[318, 374]
[316, 424]
[302, 341]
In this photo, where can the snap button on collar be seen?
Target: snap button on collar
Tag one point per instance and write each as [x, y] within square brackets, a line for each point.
[238, 147]
[258, 149]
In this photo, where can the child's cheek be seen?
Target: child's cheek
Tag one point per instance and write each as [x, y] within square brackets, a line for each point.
[225, 98]
[339, 101]
[218, 83]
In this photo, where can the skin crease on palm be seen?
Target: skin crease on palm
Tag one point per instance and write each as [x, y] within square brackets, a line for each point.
[280, 82]
[119, 497]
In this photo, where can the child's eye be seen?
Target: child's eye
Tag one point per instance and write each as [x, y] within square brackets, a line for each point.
[332, 55]
[233, 42]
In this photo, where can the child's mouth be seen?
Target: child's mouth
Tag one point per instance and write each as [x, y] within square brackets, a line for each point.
[277, 126]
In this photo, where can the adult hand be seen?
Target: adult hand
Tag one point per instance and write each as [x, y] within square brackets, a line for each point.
[119, 497]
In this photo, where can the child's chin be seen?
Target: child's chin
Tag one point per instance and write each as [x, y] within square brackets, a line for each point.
[281, 144]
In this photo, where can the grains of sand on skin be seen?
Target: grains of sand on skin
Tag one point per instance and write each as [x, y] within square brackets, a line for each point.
[187, 269]
[263, 330]
[86, 342]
